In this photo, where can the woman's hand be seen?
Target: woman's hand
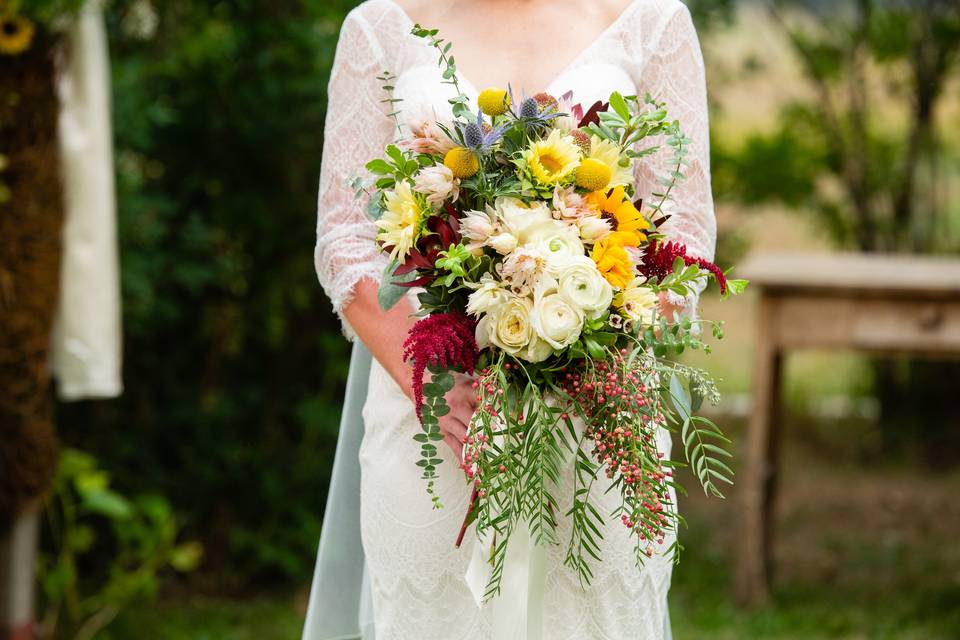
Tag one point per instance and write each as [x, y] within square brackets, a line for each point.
[462, 400]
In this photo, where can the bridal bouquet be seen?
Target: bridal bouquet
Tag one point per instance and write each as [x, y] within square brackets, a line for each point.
[541, 273]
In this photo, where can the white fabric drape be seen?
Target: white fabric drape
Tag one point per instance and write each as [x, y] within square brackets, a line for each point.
[86, 344]
[340, 601]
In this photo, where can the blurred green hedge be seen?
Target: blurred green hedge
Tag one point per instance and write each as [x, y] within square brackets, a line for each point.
[233, 361]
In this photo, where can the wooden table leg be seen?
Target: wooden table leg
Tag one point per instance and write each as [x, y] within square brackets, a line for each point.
[759, 473]
[18, 554]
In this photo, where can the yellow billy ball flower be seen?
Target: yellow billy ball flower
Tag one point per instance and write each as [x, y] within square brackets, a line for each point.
[16, 33]
[493, 101]
[593, 175]
[462, 162]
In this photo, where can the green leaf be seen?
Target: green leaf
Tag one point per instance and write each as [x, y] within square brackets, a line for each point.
[379, 166]
[108, 503]
[389, 292]
[736, 286]
[618, 104]
[680, 396]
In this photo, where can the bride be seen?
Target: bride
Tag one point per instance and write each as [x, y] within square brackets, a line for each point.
[406, 581]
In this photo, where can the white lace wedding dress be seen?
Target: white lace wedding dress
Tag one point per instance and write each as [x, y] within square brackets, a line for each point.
[416, 576]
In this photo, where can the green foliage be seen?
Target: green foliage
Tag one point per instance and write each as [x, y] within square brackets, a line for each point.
[448, 68]
[87, 519]
[433, 408]
[43, 11]
[234, 365]
[872, 185]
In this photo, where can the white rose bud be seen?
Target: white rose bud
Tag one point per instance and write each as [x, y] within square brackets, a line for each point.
[489, 295]
[503, 243]
[593, 228]
[538, 351]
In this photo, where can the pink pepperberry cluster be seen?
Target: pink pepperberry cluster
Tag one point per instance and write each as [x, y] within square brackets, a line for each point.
[621, 402]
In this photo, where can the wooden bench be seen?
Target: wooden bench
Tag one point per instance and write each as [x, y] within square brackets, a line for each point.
[886, 304]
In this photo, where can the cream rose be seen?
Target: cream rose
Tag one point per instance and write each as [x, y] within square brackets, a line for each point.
[585, 287]
[507, 326]
[556, 321]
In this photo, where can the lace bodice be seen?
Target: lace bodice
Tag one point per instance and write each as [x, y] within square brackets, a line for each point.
[651, 47]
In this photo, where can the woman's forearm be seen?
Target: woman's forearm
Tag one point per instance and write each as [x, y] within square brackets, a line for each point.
[382, 332]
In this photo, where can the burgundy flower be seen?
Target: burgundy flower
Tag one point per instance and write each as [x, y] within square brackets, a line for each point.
[658, 259]
[593, 113]
[444, 340]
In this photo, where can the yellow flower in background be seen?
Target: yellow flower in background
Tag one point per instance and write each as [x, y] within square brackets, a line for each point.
[628, 224]
[607, 152]
[399, 222]
[16, 34]
[462, 162]
[613, 262]
[553, 158]
[494, 101]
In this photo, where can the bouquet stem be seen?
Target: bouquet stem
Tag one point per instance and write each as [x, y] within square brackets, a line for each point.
[469, 517]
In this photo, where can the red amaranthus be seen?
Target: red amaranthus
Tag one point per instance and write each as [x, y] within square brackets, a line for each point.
[444, 340]
[658, 261]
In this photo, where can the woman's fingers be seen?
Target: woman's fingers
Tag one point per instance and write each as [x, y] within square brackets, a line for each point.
[455, 445]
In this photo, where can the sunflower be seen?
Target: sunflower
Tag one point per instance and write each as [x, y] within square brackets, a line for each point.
[628, 224]
[553, 158]
[16, 33]
[400, 221]
[613, 262]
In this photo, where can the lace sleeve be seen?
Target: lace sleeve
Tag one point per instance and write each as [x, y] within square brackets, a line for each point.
[674, 72]
[356, 130]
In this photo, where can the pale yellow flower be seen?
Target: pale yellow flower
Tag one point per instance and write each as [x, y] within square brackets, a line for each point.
[399, 222]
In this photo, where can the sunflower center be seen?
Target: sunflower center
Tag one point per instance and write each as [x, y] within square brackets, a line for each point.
[551, 163]
[10, 27]
[612, 219]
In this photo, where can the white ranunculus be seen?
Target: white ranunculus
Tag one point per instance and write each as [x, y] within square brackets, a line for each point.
[557, 321]
[489, 294]
[507, 325]
[585, 287]
[559, 241]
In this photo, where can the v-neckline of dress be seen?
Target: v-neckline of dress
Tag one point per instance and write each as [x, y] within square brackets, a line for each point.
[570, 66]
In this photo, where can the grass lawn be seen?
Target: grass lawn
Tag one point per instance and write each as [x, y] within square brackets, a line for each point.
[862, 552]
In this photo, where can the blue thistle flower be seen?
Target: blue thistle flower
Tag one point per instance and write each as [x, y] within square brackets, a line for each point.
[529, 112]
[478, 140]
